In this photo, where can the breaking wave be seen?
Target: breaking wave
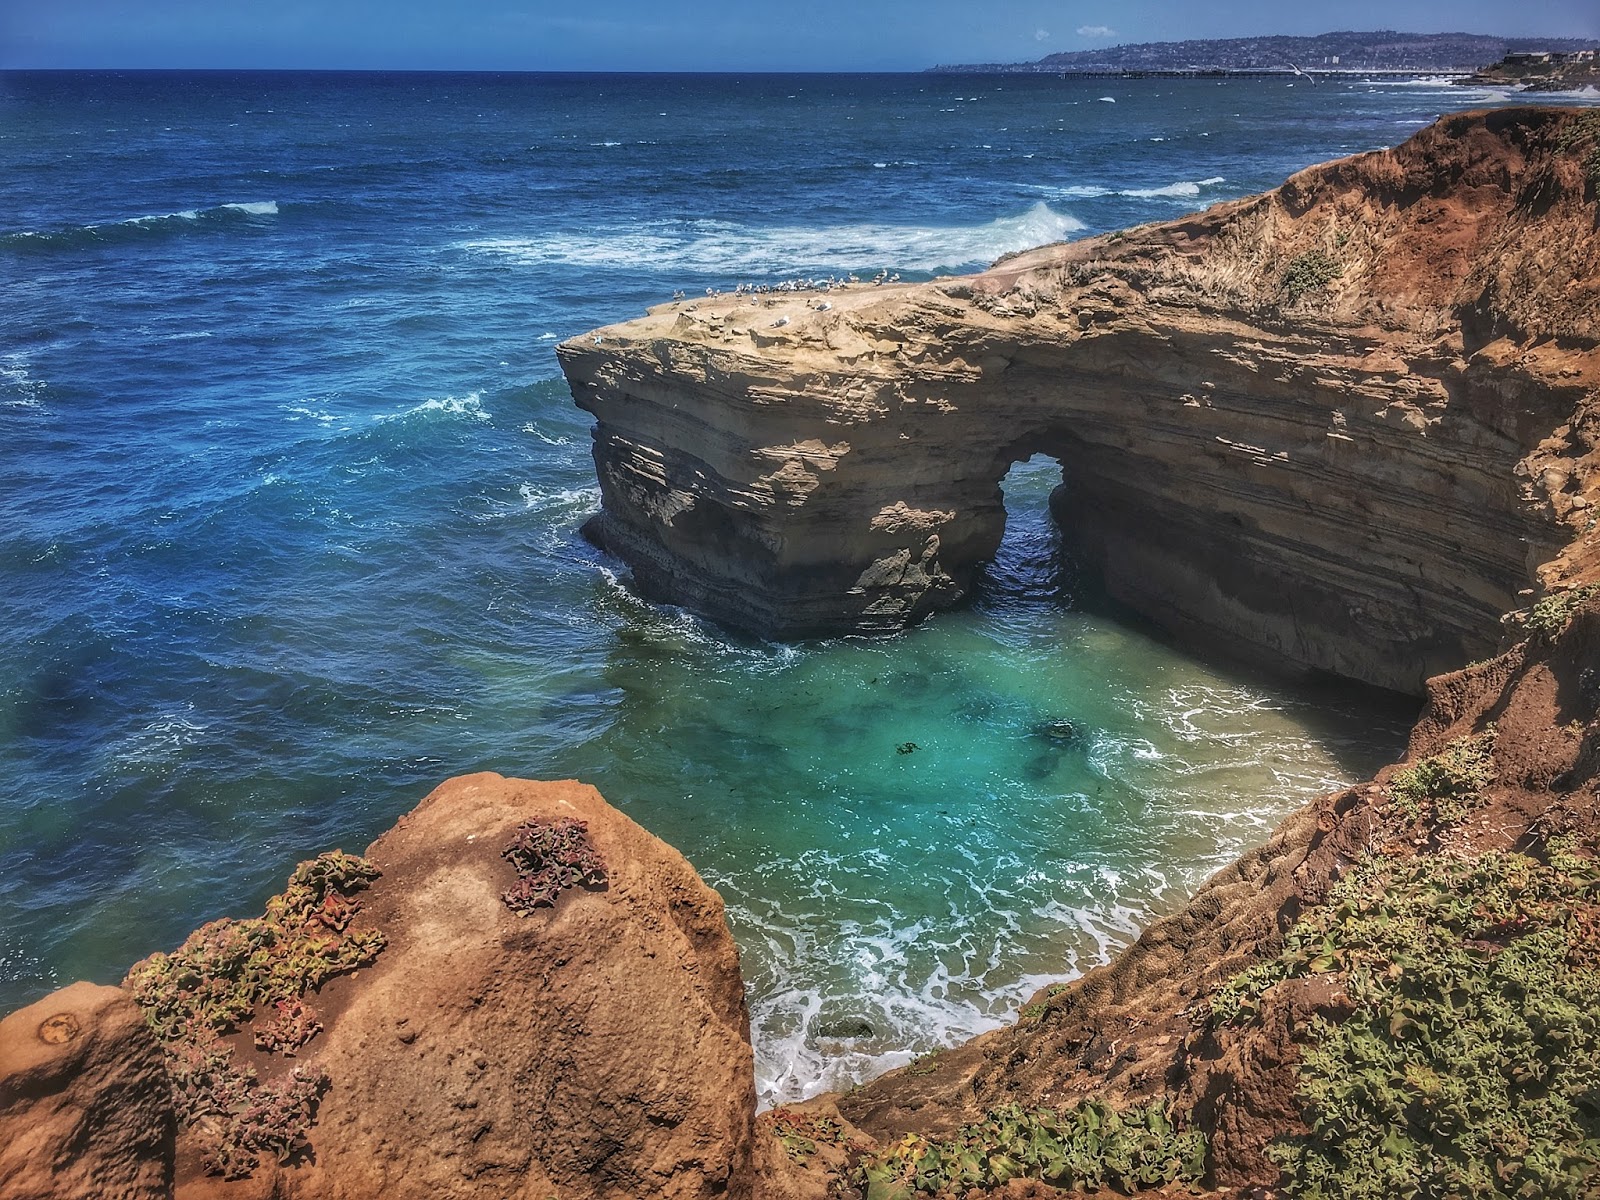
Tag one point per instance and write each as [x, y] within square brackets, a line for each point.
[217, 217]
[727, 248]
[1183, 189]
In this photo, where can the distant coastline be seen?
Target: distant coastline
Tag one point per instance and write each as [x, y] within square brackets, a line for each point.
[1377, 52]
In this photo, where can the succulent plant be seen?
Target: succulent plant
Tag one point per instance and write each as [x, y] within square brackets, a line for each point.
[1471, 1064]
[550, 856]
[1448, 785]
[229, 972]
[1087, 1146]
[799, 1133]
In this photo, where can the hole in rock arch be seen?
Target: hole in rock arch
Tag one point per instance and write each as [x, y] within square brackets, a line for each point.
[1031, 565]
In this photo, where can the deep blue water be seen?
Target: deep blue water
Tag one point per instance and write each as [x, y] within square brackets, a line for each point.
[291, 488]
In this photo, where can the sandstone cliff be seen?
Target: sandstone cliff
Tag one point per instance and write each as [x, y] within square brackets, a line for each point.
[1337, 423]
[1349, 423]
[84, 1103]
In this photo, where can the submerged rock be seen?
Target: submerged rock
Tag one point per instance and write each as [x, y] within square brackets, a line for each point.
[1063, 732]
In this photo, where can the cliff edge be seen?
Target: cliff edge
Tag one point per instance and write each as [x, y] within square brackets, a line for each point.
[1352, 421]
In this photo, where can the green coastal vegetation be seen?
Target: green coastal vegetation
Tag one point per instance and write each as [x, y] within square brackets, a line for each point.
[1088, 1146]
[1470, 1064]
[230, 975]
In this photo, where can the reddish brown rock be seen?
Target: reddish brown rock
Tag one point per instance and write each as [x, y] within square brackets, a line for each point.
[599, 1048]
[84, 1104]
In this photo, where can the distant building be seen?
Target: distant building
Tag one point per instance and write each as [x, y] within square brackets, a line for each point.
[1530, 58]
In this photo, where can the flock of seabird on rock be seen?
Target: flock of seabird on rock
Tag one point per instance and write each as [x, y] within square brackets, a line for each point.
[798, 285]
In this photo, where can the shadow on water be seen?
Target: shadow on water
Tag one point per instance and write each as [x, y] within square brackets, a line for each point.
[1034, 572]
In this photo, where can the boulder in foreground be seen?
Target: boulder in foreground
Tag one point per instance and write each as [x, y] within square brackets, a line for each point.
[518, 993]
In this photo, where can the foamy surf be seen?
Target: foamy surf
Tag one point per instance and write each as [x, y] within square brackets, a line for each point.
[898, 989]
[733, 250]
[470, 406]
[1182, 189]
[127, 227]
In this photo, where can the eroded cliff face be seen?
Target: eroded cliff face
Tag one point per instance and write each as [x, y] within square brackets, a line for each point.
[1338, 423]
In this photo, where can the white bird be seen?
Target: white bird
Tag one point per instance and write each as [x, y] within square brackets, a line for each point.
[780, 322]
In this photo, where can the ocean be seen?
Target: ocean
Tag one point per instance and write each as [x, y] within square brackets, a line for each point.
[292, 488]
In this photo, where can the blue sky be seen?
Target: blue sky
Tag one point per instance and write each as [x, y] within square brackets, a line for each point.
[678, 35]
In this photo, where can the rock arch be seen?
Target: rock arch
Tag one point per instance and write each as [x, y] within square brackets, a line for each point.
[1345, 481]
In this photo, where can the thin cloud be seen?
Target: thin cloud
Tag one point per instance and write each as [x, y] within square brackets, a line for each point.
[1041, 35]
[1096, 31]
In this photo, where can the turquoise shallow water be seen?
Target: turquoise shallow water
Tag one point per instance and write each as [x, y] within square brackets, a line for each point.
[915, 834]
[291, 490]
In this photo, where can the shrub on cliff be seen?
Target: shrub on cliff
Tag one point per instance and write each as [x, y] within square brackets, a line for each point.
[1448, 785]
[1471, 1065]
[1309, 272]
[1089, 1145]
[228, 971]
[1550, 616]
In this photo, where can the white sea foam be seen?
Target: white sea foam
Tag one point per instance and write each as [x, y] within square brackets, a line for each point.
[726, 248]
[18, 387]
[256, 208]
[1183, 189]
[161, 739]
[530, 427]
[898, 988]
[305, 412]
[582, 499]
[470, 405]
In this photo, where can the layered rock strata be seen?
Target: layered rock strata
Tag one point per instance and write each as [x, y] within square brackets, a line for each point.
[1331, 423]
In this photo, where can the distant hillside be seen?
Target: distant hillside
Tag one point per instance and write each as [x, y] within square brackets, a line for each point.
[1379, 50]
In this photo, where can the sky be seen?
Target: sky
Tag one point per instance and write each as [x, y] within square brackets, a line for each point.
[691, 35]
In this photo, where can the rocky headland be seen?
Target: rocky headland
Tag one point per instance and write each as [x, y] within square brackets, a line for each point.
[1349, 424]
[1332, 424]
[1549, 70]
